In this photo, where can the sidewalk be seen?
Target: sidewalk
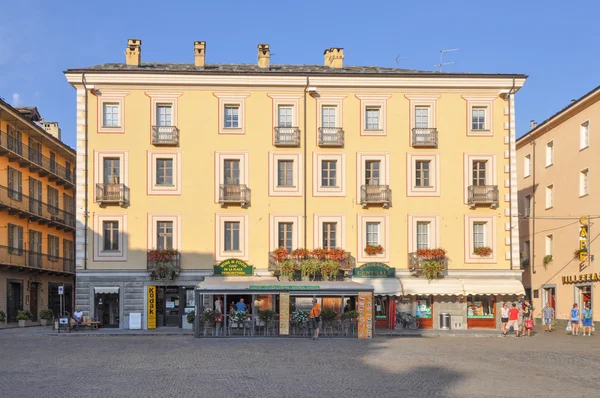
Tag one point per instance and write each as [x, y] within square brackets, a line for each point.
[438, 333]
[164, 331]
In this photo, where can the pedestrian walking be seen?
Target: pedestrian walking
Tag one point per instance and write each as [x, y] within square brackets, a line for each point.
[587, 320]
[504, 318]
[315, 315]
[575, 320]
[527, 320]
[548, 315]
[513, 319]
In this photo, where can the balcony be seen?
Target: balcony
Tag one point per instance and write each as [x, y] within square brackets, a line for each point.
[375, 194]
[35, 161]
[165, 135]
[416, 259]
[347, 263]
[424, 138]
[483, 195]
[331, 137]
[35, 210]
[112, 194]
[12, 256]
[287, 136]
[163, 264]
[234, 194]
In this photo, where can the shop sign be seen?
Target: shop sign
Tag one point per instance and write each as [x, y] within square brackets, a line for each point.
[233, 267]
[583, 240]
[593, 277]
[374, 270]
[284, 314]
[151, 307]
[277, 287]
[365, 315]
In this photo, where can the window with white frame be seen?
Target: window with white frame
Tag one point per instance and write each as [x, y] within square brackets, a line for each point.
[231, 239]
[111, 170]
[478, 118]
[527, 206]
[329, 173]
[372, 230]
[164, 115]
[584, 135]
[549, 245]
[285, 115]
[164, 235]
[232, 117]
[583, 182]
[372, 172]
[372, 118]
[285, 173]
[422, 117]
[110, 114]
[164, 172]
[479, 235]
[285, 235]
[479, 172]
[231, 171]
[329, 235]
[110, 236]
[231, 236]
[549, 153]
[422, 235]
[110, 243]
[549, 196]
[328, 116]
[527, 166]
[422, 173]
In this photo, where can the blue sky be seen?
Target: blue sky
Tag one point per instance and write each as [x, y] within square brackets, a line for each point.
[554, 42]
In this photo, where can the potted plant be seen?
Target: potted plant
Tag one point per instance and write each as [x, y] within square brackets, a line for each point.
[482, 251]
[309, 268]
[547, 259]
[328, 315]
[300, 253]
[163, 264]
[46, 315]
[2, 316]
[350, 315]
[191, 316]
[329, 269]
[287, 268]
[280, 254]
[23, 317]
[431, 269]
[431, 254]
[266, 315]
[299, 316]
[238, 317]
[373, 250]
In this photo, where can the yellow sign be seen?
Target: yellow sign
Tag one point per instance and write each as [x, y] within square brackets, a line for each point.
[365, 315]
[151, 307]
[583, 220]
[593, 277]
[284, 313]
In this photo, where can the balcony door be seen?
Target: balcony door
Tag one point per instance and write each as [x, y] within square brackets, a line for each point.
[164, 116]
[284, 118]
[35, 249]
[35, 196]
[164, 238]
[422, 117]
[112, 171]
[479, 172]
[231, 173]
[35, 151]
[15, 142]
[372, 172]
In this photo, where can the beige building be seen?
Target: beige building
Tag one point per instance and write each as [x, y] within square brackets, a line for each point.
[558, 204]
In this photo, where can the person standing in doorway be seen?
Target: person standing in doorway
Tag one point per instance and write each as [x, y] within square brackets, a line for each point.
[575, 320]
[315, 315]
[219, 305]
[513, 319]
[527, 315]
[586, 319]
[241, 306]
[504, 318]
[548, 314]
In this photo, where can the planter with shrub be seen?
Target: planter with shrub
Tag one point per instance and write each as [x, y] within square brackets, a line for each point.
[23, 317]
[46, 316]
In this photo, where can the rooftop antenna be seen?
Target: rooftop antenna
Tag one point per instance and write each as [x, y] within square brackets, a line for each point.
[442, 63]
[398, 59]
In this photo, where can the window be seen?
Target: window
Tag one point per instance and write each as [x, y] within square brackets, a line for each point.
[549, 196]
[478, 235]
[422, 173]
[527, 249]
[15, 140]
[549, 153]
[164, 172]
[285, 235]
[329, 235]
[372, 172]
[478, 118]
[68, 252]
[329, 173]
[68, 203]
[328, 117]
[164, 115]
[527, 206]
[112, 170]
[35, 196]
[549, 245]
[422, 117]
[15, 184]
[584, 135]
[35, 249]
[231, 169]
[372, 118]
[285, 173]
[527, 166]
[110, 114]
[68, 170]
[372, 233]
[164, 235]
[479, 172]
[583, 182]
[15, 239]
[284, 116]
[52, 162]
[232, 236]
[110, 236]
[53, 247]
[52, 200]
[422, 235]
[232, 117]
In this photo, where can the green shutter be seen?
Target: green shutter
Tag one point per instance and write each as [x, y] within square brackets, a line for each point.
[20, 232]
[10, 235]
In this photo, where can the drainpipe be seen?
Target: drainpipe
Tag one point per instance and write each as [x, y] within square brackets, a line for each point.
[85, 214]
[510, 94]
[305, 164]
[533, 194]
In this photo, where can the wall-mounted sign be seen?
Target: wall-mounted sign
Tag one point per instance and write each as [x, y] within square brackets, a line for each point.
[374, 270]
[151, 307]
[284, 314]
[365, 315]
[593, 277]
[276, 287]
[233, 267]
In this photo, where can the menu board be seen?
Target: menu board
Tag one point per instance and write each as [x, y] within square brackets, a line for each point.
[284, 313]
[365, 315]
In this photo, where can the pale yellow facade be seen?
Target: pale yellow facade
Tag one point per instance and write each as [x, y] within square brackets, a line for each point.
[558, 157]
[377, 109]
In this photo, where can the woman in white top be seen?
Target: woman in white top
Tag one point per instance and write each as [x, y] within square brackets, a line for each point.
[219, 305]
[504, 318]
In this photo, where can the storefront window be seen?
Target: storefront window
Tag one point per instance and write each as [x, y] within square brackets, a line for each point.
[480, 306]
[381, 307]
[333, 303]
[265, 302]
[423, 307]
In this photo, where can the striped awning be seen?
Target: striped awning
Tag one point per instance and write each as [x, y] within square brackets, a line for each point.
[412, 286]
[106, 290]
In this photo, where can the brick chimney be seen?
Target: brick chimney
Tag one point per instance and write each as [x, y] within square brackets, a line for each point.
[334, 57]
[133, 52]
[264, 56]
[199, 53]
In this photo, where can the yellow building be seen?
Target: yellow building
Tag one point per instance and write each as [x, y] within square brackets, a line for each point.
[37, 222]
[557, 158]
[234, 161]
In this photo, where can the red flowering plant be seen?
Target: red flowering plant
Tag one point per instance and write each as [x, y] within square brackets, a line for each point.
[163, 264]
[287, 268]
[431, 254]
[320, 254]
[329, 269]
[300, 253]
[483, 251]
[372, 250]
[336, 254]
[280, 254]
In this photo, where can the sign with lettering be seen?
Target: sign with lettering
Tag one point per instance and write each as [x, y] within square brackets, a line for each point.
[284, 314]
[374, 270]
[233, 267]
[276, 287]
[592, 277]
[365, 315]
[151, 307]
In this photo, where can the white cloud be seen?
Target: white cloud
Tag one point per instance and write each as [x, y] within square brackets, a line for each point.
[16, 99]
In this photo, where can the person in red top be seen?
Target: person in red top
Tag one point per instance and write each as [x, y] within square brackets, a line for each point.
[513, 319]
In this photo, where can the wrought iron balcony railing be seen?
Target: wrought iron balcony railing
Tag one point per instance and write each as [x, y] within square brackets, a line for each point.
[375, 194]
[14, 256]
[331, 136]
[483, 195]
[287, 136]
[415, 262]
[425, 138]
[29, 157]
[234, 194]
[347, 263]
[112, 194]
[165, 135]
[35, 210]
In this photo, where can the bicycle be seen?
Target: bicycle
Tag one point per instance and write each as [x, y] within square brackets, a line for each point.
[407, 320]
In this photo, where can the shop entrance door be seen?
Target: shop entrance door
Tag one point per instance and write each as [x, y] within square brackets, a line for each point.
[549, 297]
[13, 298]
[33, 301]
[172, 310]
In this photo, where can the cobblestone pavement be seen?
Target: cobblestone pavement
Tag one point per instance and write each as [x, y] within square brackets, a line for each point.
[552, 365]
